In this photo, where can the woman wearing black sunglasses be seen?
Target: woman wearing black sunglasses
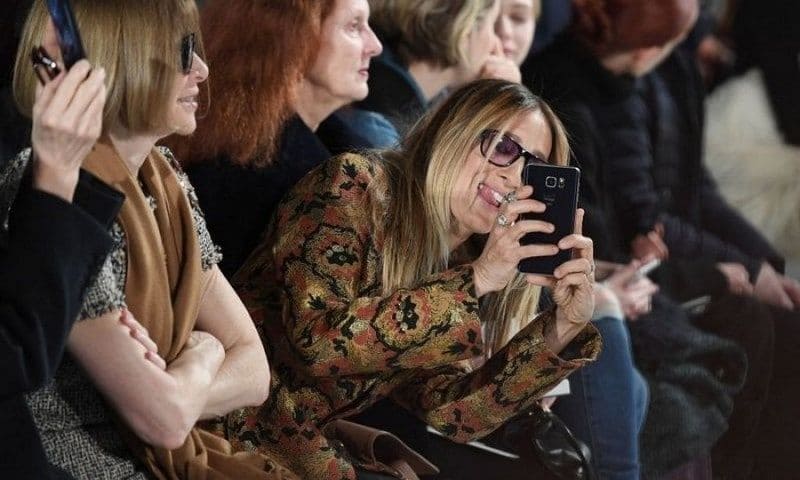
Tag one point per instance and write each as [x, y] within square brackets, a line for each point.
[395, 275]
[127, 395]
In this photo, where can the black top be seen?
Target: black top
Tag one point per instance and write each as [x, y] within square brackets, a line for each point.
[697, 220]
[238, 202]
[581, 92]
[393, 92]
[625, 144]
[48, 254]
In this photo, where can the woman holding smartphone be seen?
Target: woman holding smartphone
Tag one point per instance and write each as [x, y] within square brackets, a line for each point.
[612, 384]
[380, 302]
[120, 408]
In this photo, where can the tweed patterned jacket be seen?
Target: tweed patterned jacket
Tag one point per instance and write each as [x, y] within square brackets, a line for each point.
[337, 345]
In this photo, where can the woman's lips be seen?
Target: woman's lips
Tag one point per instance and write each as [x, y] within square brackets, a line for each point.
[489, 195]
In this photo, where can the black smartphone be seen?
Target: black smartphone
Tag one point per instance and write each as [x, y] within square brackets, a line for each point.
[556, 187]
[45, 67]
[69, 38]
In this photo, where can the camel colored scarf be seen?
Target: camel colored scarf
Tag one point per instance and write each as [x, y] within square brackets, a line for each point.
[164, 286]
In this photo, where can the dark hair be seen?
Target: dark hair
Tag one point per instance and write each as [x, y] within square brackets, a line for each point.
[612, 26]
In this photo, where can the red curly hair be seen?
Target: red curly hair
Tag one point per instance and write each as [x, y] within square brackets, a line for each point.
[257, 51]
[613, 26]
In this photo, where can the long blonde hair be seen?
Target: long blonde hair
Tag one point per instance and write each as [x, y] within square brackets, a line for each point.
[428, 30]
[420, 177]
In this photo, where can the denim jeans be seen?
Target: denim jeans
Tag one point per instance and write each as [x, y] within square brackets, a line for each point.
[608, 404]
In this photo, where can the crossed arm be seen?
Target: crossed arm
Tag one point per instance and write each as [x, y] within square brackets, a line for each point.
[222, 367]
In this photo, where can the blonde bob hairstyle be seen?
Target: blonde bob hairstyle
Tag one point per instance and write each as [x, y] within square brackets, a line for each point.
[428, 30]
[136, 41]
[419, 178]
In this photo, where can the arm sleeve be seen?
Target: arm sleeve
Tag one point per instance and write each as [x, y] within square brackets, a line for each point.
[636, 200]
[54, 249]
[629, 166]
[465, 406]
[335, 314]
[599, 222]
[722, 220]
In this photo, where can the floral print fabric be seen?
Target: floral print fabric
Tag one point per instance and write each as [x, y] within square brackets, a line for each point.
[337, 344]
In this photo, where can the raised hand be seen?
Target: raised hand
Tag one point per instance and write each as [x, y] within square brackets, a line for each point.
[497, 264]
[572, 283]
[499, 66]
[67, 121]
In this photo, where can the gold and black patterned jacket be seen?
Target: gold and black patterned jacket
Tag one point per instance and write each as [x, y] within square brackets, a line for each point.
[337, 345]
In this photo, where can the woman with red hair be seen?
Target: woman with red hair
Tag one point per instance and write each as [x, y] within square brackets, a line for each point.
[259, 136]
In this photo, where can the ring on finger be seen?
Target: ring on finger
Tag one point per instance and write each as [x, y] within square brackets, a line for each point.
[510, 197]
[502, 220]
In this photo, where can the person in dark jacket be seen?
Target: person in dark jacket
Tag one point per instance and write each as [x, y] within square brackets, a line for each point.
[263, 131]
[15, 129]
[674, 98]
[670, 188]
[612, 384]
[608, 120]
[50, 247]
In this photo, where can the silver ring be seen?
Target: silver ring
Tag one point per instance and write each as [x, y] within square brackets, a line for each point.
[502, 220]
[510, 196]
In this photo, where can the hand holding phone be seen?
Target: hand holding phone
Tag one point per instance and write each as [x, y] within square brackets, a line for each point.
[67, 121]
[45, 67]
[498, 263]
[557, 188]
[69, 42]
[632, 287]
[69, 38]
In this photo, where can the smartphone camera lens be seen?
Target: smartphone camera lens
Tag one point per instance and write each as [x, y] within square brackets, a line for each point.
[550, 182]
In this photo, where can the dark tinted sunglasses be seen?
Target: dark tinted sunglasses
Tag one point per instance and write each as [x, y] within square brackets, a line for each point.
[506, 150]
[187, 53]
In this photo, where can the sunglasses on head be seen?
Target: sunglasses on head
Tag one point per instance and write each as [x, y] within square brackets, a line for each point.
[506, 150]
[187, 53]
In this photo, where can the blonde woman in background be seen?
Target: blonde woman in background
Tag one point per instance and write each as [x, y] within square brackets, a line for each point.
[516, 26]
[431, 47]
